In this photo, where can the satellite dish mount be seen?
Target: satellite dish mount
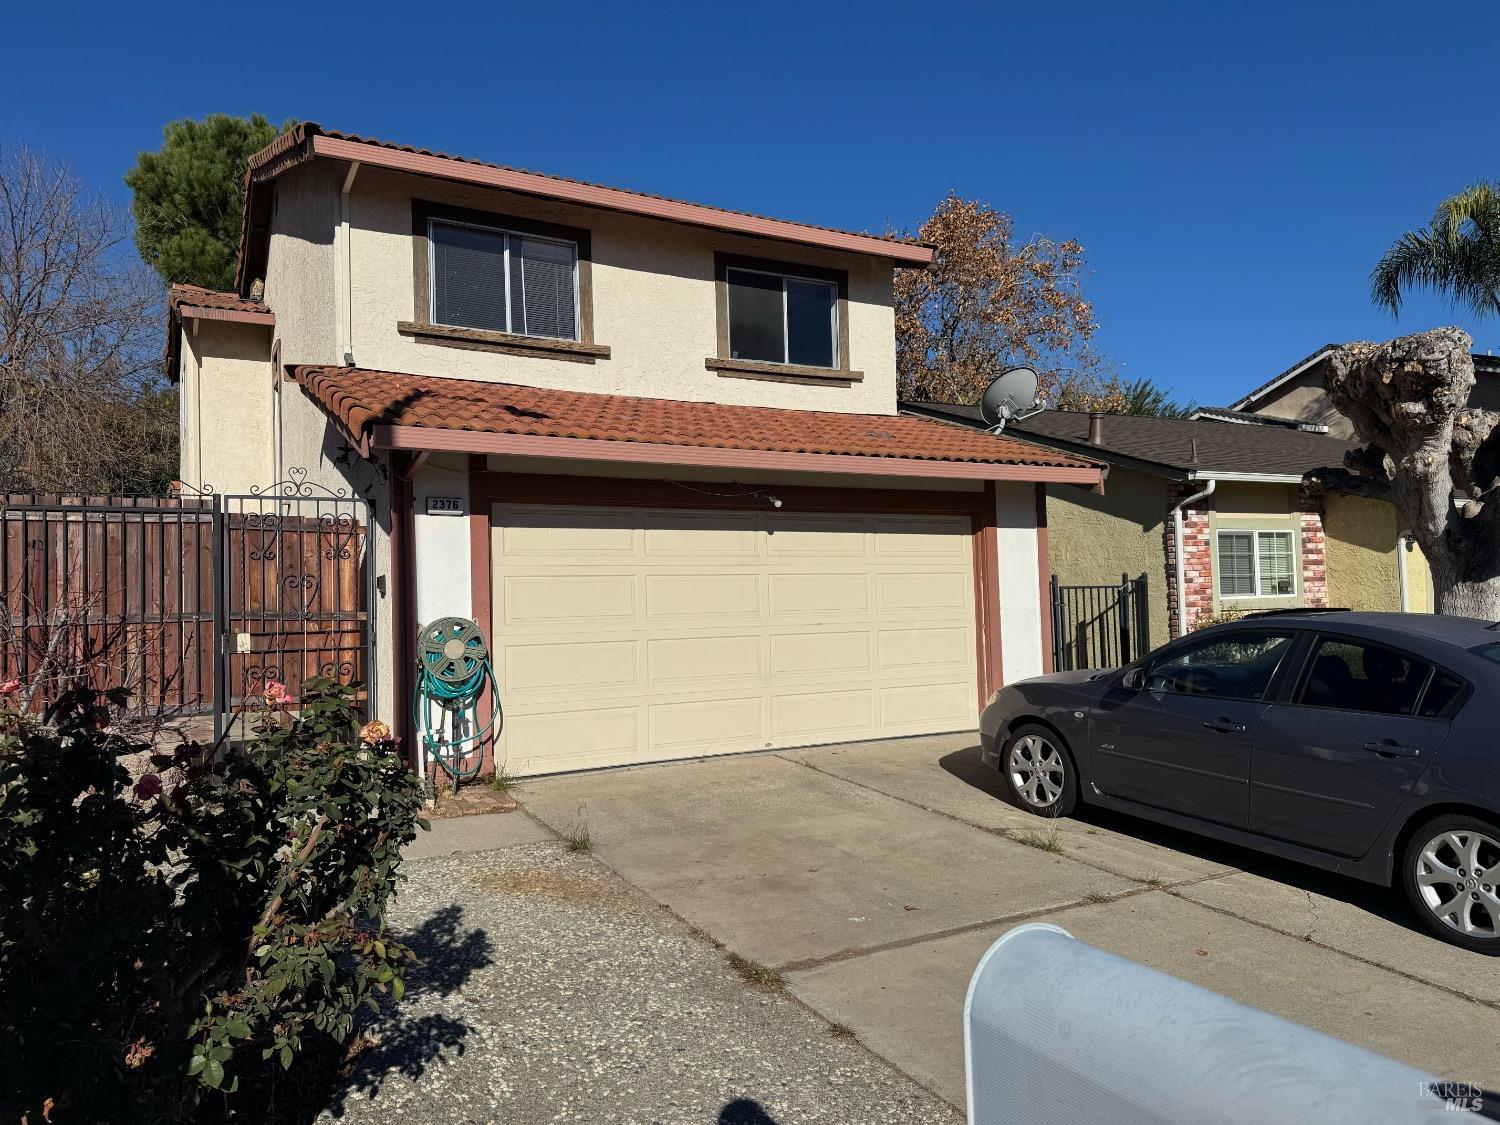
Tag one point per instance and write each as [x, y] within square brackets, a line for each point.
[1010, 397]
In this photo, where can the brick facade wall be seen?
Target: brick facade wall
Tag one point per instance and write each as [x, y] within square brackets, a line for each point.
[1314, 562]
[1197, 561]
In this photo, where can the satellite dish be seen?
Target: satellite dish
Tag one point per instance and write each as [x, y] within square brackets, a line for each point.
[1008, 397]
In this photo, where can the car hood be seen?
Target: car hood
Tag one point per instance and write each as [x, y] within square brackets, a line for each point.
[1082, 676]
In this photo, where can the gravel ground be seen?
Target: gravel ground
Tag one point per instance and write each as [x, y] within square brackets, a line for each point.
[550, 990]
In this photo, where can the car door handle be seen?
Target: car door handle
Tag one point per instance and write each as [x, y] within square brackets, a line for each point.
[1224, 726]
[1390, 748]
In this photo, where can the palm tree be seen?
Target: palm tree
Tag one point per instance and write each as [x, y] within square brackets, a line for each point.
[1457, 255]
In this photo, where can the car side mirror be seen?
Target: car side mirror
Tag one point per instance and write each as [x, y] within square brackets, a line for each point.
[1134, 680]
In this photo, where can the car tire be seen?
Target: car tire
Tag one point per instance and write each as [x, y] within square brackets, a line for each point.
[1049, 787]
[1450, 870]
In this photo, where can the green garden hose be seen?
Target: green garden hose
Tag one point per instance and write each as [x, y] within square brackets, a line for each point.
[453, 672]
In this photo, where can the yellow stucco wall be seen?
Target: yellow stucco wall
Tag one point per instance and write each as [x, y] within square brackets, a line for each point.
[1093, 539]
[653, 300]
[1362, 566]
[225, 440]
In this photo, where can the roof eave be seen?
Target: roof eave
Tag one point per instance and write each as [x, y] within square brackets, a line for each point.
[434, 440]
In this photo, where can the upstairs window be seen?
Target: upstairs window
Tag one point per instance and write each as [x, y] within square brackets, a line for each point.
[501, 281]
[1257, 564]
[778, 318]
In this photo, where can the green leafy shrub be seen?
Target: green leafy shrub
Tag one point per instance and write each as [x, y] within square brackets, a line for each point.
[198, 927]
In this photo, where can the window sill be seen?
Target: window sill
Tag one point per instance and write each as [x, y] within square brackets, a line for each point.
[755, 369]
[484, 340]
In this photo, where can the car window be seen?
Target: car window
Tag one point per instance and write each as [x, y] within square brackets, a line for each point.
[1440, 693]
[1352, 676]
[1237, 665]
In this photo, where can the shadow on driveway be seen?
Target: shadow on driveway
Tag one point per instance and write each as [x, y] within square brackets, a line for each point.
[447, 956]
[1382, 902]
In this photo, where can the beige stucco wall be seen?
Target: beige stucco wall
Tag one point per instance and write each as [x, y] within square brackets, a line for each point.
[1362, 561]
[225, 439]
[654, 304]
[1303, 399]
[1092, 539]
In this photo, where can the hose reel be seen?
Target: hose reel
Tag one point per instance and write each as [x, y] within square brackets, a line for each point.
[453, 673]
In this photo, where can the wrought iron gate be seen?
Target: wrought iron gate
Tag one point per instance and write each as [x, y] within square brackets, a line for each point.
[1099, 626]
[295, 592]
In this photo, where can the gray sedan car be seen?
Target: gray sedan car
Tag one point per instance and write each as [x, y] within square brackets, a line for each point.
[1362, 743]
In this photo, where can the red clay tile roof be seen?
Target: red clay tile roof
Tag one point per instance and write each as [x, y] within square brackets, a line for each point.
[295, 146]
[359, 399]
[195, 296]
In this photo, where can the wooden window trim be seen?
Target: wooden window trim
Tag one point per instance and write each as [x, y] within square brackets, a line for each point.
[583, 350]
[725, 364]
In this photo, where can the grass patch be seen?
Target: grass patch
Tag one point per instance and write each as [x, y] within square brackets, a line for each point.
[1048, 841]
[1153, 879]
[843, 1033]
[502, 782]
[577, 835]
[755, 974]
[1095, 897]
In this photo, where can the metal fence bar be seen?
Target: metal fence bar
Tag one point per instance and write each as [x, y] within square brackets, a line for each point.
[1098, 626]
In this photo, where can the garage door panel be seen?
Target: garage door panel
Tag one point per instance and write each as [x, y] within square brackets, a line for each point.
[701, 596]
[529, 601]
[651, 635]
[530, 532]
[933, 707]
[680, 660]
[699, 536]
[924, 592]
[926, 650]
[800, 536]
[578, 665]
[822, 715]
[571, 739]
[706, 723]
[939, 537]
[813, 594]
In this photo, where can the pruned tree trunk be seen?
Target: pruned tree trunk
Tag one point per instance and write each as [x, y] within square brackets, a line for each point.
[1436, 460]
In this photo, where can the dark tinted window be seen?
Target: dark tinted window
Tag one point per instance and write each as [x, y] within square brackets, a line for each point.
[1441, 692]
[1234, 666]
[809, 323]
[756, 317]
[1352, 676]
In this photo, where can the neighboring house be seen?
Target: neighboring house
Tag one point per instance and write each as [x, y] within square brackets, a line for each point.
[1297, 393]
[691, 519]
[1251, 538]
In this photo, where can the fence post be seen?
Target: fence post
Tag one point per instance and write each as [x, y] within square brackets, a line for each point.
[1124, 611]
[221, 617]
[1057, 634]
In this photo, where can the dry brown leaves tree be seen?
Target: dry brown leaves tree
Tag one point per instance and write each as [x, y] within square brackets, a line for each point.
[989, 302]
[81, 408]
[1428, 453]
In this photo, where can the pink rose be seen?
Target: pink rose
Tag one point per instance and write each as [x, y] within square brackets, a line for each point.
[148, 786]
[276, 694]
[10, 687]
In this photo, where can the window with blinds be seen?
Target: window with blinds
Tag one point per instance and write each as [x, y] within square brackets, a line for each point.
[1257, 564]
[502, 281]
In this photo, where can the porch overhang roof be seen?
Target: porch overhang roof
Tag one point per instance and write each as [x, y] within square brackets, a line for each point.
[384, 410]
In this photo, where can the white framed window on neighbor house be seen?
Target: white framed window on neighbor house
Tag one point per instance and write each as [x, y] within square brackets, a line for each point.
[502, 281]
[1257, 564]
[781, 318]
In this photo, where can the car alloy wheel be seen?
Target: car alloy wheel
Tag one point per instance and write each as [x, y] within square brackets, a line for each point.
[1037, 770]
[1457, 873]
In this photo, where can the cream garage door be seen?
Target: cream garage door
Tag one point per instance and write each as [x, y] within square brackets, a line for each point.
[628, 635]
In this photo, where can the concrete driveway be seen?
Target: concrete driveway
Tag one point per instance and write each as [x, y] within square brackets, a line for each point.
[873, 876]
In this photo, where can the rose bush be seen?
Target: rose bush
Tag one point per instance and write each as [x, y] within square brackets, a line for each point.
[199, 926]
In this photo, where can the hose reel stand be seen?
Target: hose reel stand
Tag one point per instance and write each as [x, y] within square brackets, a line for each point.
[453, 673]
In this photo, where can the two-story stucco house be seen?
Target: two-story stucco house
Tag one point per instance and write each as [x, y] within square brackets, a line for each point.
[651, 446]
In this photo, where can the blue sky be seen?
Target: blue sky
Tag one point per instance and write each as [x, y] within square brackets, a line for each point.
[1234, 170]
